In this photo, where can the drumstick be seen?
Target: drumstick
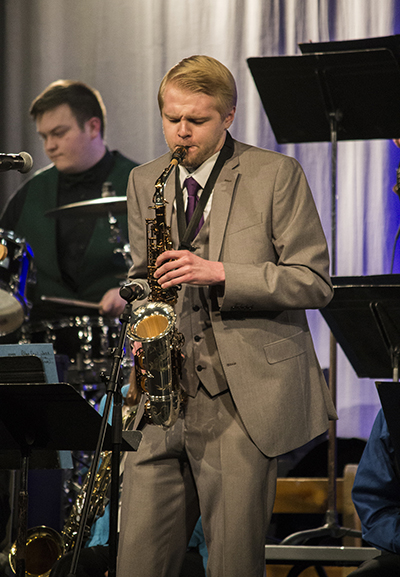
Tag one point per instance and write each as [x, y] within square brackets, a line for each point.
[76, 303]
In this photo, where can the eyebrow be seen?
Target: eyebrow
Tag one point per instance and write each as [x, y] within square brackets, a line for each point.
[58, 127]
[188, 118]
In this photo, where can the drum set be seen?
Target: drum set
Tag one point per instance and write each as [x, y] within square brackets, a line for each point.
[82, 344]
[16, 273]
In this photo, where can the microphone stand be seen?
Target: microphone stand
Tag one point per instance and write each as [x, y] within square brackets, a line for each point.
[113, 392]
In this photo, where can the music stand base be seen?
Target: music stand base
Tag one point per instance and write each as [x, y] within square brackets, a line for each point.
[330, 529]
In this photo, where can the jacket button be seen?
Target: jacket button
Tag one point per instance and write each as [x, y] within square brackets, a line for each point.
[199, 368]
[197, 338]
[196, 308]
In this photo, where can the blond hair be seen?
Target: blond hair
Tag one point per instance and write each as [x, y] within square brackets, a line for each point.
[202, 74]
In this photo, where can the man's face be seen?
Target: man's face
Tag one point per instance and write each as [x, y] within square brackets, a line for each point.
[191, 119]
[70, 148]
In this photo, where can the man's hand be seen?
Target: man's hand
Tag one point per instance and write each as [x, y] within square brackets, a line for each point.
[176, 267]
[112, 305]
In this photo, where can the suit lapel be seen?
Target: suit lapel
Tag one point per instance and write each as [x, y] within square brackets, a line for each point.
[221, 204]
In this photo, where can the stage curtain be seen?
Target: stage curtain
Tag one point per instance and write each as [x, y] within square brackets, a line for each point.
[124, 47]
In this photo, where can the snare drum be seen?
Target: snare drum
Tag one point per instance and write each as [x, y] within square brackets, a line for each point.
[16, 273]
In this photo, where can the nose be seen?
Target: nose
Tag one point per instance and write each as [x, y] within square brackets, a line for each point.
[50, 144]
[184, 129]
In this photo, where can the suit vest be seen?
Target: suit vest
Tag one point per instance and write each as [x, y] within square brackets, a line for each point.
[202, 363]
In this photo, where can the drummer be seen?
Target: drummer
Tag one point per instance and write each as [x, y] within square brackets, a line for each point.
[74, 257]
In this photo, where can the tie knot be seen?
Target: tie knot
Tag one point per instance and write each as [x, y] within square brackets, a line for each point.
[192, 186]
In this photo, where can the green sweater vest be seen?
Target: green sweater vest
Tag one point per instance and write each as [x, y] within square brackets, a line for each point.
[100, 267]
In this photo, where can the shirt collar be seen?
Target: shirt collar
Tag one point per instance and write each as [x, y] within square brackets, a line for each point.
[201, 173]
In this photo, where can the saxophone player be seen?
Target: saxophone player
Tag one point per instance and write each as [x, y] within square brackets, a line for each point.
[250, 256]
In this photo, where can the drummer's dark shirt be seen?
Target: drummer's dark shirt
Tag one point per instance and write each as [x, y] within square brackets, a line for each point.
[74, 233]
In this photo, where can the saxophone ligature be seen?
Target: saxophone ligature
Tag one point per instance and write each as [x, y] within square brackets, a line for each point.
[159, 359]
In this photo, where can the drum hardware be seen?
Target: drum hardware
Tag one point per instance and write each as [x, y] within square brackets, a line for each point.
[16, 274]
[3, 252]
[107, 190]
[116, 237]
[125, 251]
[83, 346]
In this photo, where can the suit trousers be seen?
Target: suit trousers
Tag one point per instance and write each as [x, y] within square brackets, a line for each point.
[206, 463]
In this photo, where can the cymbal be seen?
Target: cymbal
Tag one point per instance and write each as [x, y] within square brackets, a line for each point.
[95, 207]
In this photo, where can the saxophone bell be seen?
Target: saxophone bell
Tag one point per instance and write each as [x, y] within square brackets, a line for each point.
[44, 546]
[153, 325]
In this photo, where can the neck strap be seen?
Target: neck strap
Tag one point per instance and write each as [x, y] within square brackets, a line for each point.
[187, 232]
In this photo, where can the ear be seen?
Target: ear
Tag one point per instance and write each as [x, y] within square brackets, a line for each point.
[229, 118]
[94, 126]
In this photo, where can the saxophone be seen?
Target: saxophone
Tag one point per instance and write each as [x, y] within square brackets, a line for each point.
[159, 360]
[44, 545]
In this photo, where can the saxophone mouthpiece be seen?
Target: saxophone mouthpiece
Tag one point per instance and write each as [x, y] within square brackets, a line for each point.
[178, 155]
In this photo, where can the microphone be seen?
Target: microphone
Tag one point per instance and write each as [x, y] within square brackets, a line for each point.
[22, 162]
[134, 290]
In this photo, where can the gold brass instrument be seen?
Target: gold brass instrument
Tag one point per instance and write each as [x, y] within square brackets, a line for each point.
[97, 505]
[44, 545]
[158, 361]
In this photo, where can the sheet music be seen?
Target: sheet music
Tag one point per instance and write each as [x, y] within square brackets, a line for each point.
[42, 350]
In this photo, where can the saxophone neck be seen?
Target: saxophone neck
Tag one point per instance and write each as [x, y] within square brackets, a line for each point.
[177, 156]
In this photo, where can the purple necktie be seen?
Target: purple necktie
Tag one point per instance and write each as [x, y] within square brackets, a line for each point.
[192, 187]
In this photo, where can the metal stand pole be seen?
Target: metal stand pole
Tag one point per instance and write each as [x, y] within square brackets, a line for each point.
[331, 526]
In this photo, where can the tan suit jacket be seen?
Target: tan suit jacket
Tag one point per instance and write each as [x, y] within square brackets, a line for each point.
[265, 228]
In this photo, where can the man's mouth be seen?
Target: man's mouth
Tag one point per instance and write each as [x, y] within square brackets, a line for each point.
[187, 146]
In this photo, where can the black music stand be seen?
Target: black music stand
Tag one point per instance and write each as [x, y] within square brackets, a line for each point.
[22, 369]
[363, 316]
[48, 417]
[299, 93]
[392, 43]
[330, 96]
